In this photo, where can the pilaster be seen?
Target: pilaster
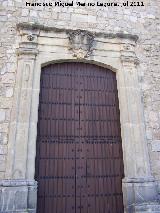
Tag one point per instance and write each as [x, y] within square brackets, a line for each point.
[20, 118]
[138, 185]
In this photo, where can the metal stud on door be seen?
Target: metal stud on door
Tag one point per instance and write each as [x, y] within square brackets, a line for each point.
[79, 162]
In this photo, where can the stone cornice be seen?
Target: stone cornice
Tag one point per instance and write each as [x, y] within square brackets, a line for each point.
[35, 26]
[17, 182]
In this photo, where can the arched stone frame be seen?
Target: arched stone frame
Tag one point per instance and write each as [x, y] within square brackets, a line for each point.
[40, 45]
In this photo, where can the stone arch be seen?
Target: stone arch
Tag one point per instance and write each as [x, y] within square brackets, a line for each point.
[98, 63]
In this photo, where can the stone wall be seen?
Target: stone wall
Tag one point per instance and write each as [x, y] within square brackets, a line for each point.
[142, 21]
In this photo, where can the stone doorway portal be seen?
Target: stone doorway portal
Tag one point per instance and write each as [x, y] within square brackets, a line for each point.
[42, 45]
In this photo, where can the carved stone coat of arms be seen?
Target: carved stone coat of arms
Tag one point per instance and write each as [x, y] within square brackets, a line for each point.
[81, 43]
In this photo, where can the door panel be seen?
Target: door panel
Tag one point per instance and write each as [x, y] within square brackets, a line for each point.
[79, 163]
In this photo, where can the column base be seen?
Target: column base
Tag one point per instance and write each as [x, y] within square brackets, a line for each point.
[139, 192]
[18, 196]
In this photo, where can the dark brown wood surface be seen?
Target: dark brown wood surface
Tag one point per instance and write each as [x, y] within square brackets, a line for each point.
[79, 162]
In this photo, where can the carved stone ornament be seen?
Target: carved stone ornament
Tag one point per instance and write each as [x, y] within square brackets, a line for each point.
[81, 43]
[30, 37]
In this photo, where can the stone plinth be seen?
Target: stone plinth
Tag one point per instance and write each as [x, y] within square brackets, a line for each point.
[18, 196]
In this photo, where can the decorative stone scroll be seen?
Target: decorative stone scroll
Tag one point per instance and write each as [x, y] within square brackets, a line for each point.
[81, 43]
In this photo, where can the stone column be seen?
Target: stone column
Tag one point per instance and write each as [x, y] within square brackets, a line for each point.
[138, 185]
[16, 185]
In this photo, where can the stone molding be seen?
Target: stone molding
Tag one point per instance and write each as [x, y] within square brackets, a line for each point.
[41, 45]
[33, 27]
[18, 196]
[139, 180]
[18, 182]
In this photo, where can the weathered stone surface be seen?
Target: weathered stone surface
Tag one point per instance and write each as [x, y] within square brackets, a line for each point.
[3, 163]
[2, 115]
[9, 92]
[25, 12]
[142, 21]
[148, 208]
[15, 195]
[32, 197]
[3, 149]
[156, 146]
[8, 78]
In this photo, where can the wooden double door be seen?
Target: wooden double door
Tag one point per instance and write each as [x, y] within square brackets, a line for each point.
[79, 163]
